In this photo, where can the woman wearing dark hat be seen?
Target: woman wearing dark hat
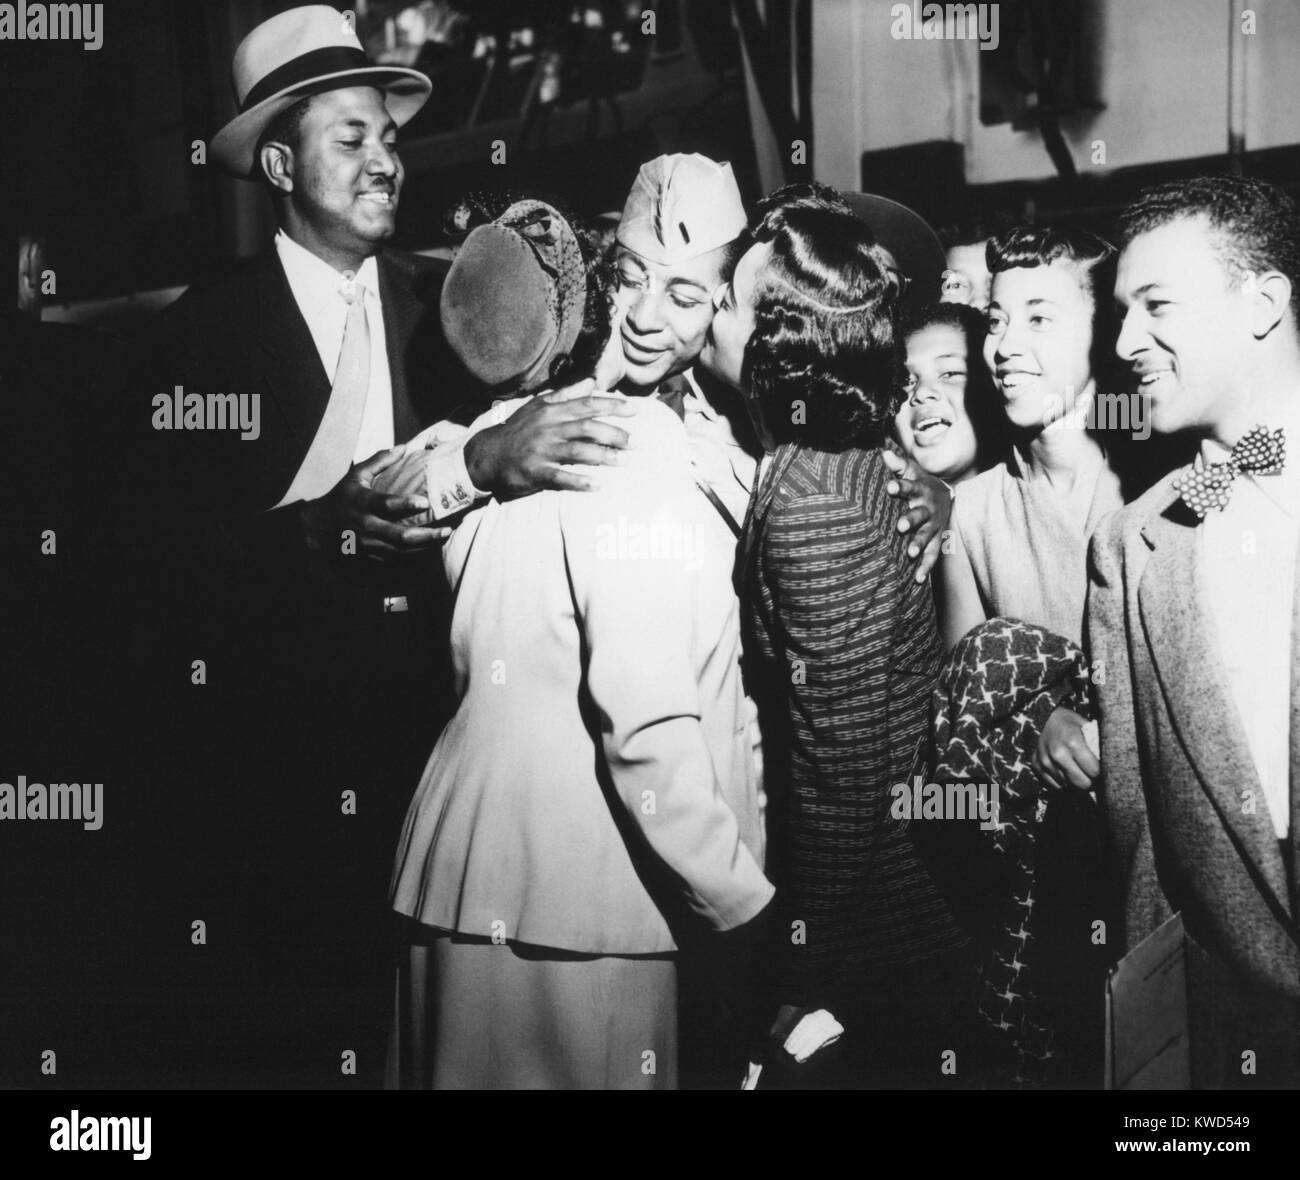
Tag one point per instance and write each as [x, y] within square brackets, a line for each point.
[843, 650]
[594, 790]
[912, 252]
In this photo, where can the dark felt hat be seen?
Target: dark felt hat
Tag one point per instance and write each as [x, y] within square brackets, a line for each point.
[514, 298]
[909, 238]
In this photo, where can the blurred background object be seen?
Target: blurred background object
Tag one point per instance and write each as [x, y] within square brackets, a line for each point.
[1072, 107]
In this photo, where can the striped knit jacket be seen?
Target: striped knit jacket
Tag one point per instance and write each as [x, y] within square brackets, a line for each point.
[843, 654]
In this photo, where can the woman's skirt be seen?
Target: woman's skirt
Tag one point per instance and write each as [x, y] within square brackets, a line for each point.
[472, 1014]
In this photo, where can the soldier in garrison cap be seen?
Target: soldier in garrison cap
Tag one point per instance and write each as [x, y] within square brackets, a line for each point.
[681, 233]
[683, 229]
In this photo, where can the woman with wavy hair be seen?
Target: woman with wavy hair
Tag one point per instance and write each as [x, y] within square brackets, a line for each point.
[843, 650]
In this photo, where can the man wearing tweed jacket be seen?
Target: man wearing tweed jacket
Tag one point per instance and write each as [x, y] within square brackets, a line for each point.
[1191, 615]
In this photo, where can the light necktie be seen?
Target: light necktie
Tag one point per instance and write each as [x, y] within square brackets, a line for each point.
[329, 458]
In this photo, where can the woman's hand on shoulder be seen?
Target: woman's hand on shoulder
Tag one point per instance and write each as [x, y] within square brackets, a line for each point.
[927, 509]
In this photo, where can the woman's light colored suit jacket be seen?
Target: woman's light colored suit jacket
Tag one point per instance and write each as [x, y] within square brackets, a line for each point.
[596, 772]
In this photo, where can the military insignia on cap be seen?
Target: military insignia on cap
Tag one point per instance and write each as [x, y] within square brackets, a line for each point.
[680, 207]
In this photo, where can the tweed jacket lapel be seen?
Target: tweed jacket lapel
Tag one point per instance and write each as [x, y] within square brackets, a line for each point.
[1180, 637]
[1294, 833]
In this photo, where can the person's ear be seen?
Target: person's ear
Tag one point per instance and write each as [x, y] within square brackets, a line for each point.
[277, 165]
[1269, 296]
[29, 262]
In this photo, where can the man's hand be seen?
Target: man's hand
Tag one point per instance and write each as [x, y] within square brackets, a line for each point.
[1063, 756]
[530, 450]
[929, 506]
[353, 505]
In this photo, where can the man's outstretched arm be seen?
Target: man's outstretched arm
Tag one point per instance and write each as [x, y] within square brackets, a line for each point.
[508, 455]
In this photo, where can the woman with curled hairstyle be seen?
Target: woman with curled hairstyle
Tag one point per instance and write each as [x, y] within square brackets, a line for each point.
[842, 649]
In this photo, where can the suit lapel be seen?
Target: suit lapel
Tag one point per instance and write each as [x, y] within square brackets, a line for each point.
[1294, 833]
[298, 381]
[1180, 635]
[402, 311]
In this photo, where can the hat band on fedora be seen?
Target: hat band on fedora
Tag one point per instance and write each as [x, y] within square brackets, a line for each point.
[310, 67]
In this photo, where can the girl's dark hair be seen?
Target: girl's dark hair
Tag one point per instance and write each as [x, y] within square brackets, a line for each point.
[1096, 260]
[988, 419]
[823, 360]
[479, 208]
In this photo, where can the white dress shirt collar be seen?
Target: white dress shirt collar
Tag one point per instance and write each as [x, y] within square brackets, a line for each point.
[313, 281]
[319, 291]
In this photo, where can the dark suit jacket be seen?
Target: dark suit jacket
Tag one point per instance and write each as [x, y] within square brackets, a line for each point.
[242, 332]
[320, 617]
[1176, 766]
[311, 688]
[844, 655]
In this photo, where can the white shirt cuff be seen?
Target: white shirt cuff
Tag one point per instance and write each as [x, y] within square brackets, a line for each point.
[447, 482]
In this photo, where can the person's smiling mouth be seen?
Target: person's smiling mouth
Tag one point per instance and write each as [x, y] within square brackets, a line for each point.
[1151, 378]
[1011, 379]
[639, 353]
[930, 426]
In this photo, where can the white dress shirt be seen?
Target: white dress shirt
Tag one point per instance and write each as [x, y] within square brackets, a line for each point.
[1247, 557]
[318, 290]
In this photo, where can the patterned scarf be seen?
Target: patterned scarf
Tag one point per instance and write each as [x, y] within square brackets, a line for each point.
[993, 698]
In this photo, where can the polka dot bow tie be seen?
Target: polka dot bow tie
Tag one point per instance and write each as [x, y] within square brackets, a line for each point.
[1208, 485]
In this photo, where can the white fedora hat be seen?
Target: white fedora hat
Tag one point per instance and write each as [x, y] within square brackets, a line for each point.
[300, 52]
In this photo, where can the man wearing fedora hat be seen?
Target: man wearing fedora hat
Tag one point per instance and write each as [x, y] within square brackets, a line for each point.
[307, 613]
